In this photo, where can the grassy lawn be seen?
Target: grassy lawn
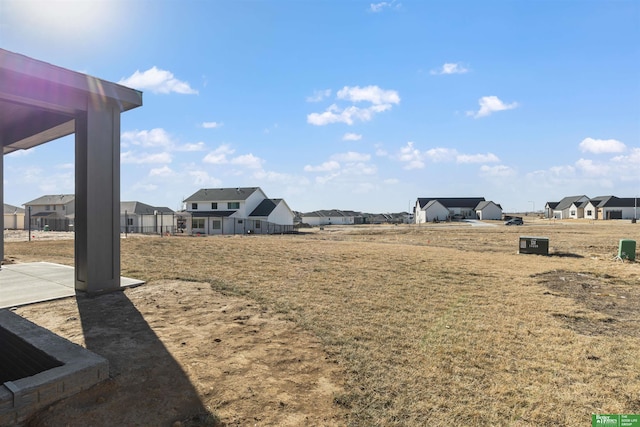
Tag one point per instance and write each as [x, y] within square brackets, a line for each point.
[436, 325]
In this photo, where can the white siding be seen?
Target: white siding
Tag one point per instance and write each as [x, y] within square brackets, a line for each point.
[490, 212]
[281, 215]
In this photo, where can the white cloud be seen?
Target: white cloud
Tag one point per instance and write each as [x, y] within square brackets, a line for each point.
[198, 146]
[248, 160]
[477, 158]
[499, 171]
[351, 137]
[489, 105]
[324, 167]
[163, 171]
[373, 94]
[381, 100]
[212, 125]
[440, 154]
[156, 137]
[147, 188]
[592, 169]
[415, 159]
[381, 152]
[379, 7]
[203, 179]
[348, 115]
[599, 146]
[219, 155]
[411, 156]
[392, 181]
[319, 95]
[351, 156]
[633, 159]
[450, 68]
[145, 158]
[157, 81]
[281, 178]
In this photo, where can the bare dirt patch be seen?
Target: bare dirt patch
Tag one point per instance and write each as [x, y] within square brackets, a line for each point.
[180, 351]
[611, 305]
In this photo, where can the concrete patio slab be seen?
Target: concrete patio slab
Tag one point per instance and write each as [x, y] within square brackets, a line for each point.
[28, 283]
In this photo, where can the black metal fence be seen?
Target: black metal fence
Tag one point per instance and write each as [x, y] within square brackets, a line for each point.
[150, 229]
[51, 224]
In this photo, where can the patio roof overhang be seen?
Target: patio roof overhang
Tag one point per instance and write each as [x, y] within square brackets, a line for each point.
[40, 102]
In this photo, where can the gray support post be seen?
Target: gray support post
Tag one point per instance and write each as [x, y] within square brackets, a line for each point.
[97, 168]
[2, 202]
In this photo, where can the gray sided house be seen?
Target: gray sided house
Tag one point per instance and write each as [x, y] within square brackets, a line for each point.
[138, 217]
[242, 210]
[51, 212]
[13, 217]
[430, 209]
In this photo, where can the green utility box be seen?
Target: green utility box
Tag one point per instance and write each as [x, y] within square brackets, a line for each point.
[627, 249]
[534, 245]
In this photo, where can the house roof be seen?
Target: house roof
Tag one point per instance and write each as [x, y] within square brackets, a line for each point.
[10, 209]
[265, 207]
[325, 213]
[619, 202]
[140, 208]
[568, 201]
[222, 194]
[452, 202]
[486, 203]
[552, 205]
[52, 199]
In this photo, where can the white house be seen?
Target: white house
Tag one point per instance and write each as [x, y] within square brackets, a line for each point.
[488, 210]
[612, 207]
[570, 207]
[13, 217]
[138, 217]
[329, 217]
[237, 211]
[456, 207]
[431, 211]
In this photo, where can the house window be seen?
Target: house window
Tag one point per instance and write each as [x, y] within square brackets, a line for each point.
[129, 221]
[233, 205]
[54, 207]
[63, 207]
[257, 224]
[47, 208]
[194, 206]
[214, 205]
[589, 213]
[239, 221]
[197, 223]
[216, 224]
[573, 213]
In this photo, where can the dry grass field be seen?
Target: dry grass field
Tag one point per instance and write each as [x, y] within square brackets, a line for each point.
[437, 325]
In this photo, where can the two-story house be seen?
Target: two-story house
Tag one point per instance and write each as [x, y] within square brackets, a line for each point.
[242, 210]
[51, 212]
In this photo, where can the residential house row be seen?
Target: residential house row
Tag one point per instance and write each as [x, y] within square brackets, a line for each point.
[434, 209]
[347, 217]
[207, 211]
[597, 208]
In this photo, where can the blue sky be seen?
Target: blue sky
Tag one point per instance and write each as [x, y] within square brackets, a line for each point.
[354, 105]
